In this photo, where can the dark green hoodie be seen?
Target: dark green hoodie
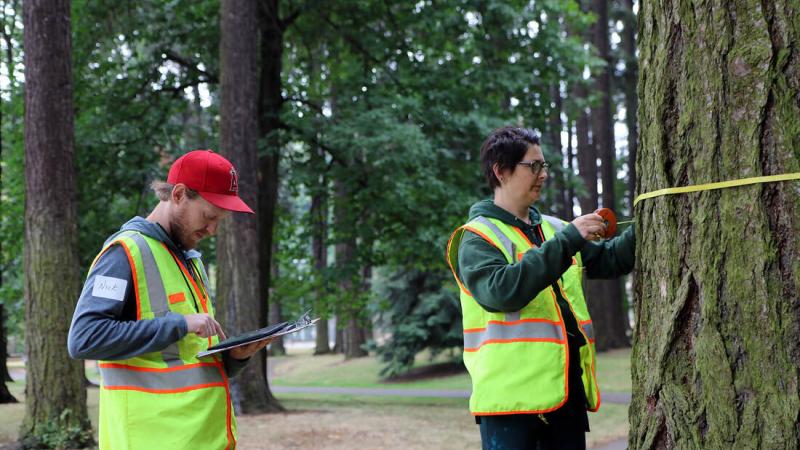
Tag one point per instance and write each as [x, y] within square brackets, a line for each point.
[500, 286]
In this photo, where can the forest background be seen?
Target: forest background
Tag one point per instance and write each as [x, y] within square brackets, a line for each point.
[361, 150]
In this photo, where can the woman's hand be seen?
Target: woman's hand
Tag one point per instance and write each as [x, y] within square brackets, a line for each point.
[591, 226]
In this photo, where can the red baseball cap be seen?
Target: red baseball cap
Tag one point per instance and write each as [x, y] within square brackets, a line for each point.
[212, 176]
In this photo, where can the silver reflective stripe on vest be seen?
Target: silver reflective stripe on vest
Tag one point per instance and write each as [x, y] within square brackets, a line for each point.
[557, 223]
[160, 380]
[157, 294]
[496, 332]
[155, 285]
[588, 330]
[507, 244]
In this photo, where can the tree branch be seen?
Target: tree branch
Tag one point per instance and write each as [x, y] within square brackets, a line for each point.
[360, 49]
[190, 65]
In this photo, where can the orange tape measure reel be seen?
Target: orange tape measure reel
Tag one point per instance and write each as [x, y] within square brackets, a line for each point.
[611, 221]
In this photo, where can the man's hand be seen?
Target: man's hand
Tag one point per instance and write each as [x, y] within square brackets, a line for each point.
[246, 351]
[204, 325]
[591, 226]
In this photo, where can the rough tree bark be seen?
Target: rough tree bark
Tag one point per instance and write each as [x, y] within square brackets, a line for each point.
[606, 300]
[52, 280]
[717, 342]
[241, 306]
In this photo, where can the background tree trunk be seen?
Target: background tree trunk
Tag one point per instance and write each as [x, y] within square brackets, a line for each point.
[5, 394]
[570, 194]
[717, 342]
[242, 307]
[276, 347]
[554, 144]
[352, 334]
[52, 280]
[269, 107]
[606, 300]
[319, 221]
[631, 99]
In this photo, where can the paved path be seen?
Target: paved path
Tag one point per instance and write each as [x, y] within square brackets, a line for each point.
[621, 444]
[619, 398]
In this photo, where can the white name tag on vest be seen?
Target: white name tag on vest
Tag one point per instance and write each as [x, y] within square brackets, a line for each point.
[111, 288]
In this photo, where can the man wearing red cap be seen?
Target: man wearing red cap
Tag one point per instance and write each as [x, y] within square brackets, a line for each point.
[145, 313]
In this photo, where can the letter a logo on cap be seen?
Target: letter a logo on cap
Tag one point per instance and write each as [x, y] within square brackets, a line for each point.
[234, 181]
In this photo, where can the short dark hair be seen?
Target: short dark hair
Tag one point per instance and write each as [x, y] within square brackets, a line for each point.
[505, 147]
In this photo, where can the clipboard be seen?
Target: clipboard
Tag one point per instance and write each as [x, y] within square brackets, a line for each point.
[271, 332]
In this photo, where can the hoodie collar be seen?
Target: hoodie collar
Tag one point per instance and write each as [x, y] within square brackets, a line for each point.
[487, 208]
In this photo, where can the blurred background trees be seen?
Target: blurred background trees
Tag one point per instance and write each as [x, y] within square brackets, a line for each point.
[368, 120]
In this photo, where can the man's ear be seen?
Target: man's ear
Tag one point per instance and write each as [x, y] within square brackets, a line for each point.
[178, 193]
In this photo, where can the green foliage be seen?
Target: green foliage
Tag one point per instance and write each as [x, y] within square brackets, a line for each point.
[12, 183]
[60, 432]
[400, 96]
[135, 66]
[386, 105]
[420, 314]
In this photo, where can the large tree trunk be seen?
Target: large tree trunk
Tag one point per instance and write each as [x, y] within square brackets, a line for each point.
[52, 280]
[238, 285]
[717, 342]
[606, 301]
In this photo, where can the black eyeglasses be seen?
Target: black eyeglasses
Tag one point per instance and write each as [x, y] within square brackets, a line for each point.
[535, 166]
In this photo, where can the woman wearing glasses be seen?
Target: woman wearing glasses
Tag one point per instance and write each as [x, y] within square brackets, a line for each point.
[528, 337]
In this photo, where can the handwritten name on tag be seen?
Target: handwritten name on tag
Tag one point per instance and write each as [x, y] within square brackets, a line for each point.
[108, 287]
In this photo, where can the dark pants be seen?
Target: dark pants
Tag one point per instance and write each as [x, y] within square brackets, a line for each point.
[563, 429]
[528, 432]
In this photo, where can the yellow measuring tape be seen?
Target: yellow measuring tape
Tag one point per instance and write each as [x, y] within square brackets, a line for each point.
[719, 185]
[712, 186]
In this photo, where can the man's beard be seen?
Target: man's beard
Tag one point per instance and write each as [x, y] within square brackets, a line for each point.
[181, 236]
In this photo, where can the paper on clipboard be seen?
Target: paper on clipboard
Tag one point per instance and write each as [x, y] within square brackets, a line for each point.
[270, 332]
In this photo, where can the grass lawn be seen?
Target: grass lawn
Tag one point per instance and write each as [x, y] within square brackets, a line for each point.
[315, 421]
[12, 414]
[301, 369]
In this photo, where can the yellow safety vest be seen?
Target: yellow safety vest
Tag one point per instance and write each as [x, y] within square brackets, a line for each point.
[518, 361]
[167, 399]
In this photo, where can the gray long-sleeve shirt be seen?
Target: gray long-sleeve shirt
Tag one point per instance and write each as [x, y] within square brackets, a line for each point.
[104, 324]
